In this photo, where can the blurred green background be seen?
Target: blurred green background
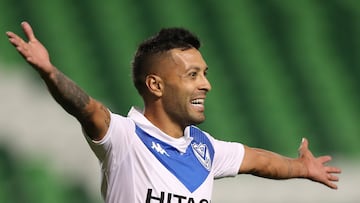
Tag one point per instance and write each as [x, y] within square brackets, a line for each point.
[280, 69]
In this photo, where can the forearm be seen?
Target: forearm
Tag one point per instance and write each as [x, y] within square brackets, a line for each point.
[69, 95]
[268, 164]
[276, 166]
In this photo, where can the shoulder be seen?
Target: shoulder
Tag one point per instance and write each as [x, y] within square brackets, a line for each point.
[119, 126]
[120, 122]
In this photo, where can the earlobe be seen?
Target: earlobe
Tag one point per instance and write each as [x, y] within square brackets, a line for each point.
[154, 85]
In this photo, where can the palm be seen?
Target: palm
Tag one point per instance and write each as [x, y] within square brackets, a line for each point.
[317, 170]
[32, 51]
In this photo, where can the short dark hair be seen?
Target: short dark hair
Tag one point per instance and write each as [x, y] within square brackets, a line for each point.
[165, 40]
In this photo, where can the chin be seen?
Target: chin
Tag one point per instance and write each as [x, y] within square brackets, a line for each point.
[198, 121]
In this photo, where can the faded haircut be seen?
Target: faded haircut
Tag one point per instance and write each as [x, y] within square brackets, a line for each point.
[165, 40]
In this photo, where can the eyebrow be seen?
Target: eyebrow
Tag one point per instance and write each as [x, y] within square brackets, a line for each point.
[197, 68]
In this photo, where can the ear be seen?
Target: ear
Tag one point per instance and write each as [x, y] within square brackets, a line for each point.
[154, 84]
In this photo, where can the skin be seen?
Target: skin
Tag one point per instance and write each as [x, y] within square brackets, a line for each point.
[180, 80]
[178, 77]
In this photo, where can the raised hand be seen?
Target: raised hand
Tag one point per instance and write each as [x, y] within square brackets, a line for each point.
[316, 168]
[32, 50]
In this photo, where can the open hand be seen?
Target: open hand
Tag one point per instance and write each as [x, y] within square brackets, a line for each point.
[316, 168]
[32, 51]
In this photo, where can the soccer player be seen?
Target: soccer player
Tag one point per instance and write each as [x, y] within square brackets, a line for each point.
[157, 154]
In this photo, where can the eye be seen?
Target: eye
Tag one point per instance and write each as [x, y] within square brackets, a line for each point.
[193, 74]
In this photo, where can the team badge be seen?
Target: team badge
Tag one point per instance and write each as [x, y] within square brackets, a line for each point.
[201, 152]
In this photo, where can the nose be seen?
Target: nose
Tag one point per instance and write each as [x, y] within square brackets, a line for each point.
[205, 85]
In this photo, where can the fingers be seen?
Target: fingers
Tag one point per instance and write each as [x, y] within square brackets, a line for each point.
[20, 45]
[324, 159]
[14, 39]
[331, 178]
[28, 31]
[330, 181]
[331, 169]
[331, 185]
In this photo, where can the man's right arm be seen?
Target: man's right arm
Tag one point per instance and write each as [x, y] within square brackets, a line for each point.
[93, 116]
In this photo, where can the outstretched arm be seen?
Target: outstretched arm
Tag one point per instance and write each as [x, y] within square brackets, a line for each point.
[93, 116]
[267, 164]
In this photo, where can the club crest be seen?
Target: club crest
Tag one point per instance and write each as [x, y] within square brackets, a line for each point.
[201, 152]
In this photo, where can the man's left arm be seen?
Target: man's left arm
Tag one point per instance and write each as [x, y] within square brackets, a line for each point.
[268, 164]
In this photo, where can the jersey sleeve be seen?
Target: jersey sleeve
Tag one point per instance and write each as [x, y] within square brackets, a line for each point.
[228, 158]
[116, 142]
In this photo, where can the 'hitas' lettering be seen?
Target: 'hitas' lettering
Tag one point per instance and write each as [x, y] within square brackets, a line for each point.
[169, 197]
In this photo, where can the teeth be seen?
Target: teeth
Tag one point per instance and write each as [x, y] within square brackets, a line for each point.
[198, 101]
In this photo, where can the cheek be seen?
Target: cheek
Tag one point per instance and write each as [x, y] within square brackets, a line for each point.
[178, 92]
[173, 97]
[176, 97]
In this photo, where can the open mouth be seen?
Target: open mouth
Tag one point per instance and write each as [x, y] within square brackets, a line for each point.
[198, 102]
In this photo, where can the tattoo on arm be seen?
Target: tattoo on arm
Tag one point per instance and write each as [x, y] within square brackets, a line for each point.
[76, 102]
[70, 96]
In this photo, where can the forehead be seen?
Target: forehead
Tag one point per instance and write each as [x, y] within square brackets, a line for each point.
[187, 58]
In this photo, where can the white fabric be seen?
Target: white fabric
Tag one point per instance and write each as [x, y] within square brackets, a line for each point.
[131, 173]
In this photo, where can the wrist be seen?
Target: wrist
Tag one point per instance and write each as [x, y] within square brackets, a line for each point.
[47, 72]
[303, 171]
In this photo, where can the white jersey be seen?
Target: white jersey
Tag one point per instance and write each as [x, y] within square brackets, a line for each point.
[140, 163]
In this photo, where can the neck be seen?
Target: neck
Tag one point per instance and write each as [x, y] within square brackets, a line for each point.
[164, 123]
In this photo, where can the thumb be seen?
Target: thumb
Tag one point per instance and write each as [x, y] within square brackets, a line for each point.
[303, 146]
[28, 31]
